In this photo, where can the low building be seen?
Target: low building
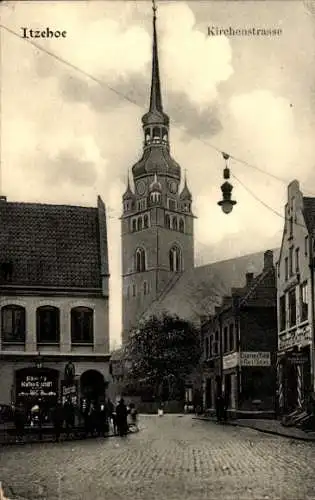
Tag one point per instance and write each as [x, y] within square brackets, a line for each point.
[240, 343]
[295, 296]
[54, 337]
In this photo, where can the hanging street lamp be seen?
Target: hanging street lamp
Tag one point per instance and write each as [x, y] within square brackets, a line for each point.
[226, 203]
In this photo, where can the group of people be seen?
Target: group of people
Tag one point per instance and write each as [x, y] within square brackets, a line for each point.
[96, 418]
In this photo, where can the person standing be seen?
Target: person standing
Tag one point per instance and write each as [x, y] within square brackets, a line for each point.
[69, 416]
[121, 416]
[19, 421]
[58, 418]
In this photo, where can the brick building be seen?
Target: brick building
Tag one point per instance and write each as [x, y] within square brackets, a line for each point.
[53, 301]
[295, 296]
[240, 343]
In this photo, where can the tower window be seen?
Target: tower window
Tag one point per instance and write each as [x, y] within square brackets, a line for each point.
[175, 223]
[155, 197]
[146, 221]
[145, 288]
[140, 260]
[139, 223]
[181, 225]
[172, 204]
[142, 204]
[134, 225]
[167, 221]
[156, 133]
[133, 290]
[175, 260]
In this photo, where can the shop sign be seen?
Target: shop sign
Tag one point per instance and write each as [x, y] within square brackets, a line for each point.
[255, 359]
[230, 360]
[30, 384]
[69, 391]
[299, 336]
[296, 358]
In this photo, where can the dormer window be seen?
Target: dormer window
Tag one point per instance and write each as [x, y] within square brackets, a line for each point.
[171, 204]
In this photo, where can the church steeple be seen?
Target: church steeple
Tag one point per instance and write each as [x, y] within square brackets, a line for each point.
[155, 115]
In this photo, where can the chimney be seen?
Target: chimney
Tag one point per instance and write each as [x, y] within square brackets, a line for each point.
[249, 278]
[268, 260]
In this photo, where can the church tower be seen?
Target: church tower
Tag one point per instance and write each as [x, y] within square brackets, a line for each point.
[157, 220]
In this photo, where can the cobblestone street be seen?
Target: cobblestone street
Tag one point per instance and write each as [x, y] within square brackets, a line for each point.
[174, 457]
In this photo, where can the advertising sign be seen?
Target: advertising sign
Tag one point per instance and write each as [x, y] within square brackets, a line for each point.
[255, 359]
[230, 360]
[69, 390]
[35, 384]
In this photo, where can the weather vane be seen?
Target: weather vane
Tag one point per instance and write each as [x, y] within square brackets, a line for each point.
[154, 8]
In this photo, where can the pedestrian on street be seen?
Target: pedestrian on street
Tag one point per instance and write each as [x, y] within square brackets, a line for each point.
[58, 419]
[19, 421]
[69, 416]
[121, 416]
[111, 415]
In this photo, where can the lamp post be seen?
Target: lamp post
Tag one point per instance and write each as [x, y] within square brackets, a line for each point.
[226, 203]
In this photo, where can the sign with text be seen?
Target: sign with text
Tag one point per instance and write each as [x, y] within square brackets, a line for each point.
[300, 336]
[230, 361]
[36, 384]
[255, 359]
[69, 391]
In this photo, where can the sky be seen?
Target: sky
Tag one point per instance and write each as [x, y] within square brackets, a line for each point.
[66, 138]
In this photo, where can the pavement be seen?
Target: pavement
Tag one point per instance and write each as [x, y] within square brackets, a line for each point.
[173, 457]
[268, 426]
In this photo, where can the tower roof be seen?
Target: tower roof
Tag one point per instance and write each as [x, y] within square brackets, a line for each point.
[185, 194]
[155, 115]
[128, 194]
[155, 186]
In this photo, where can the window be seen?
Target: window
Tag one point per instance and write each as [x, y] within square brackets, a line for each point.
[142, 204]
[82, 325]
[175, 260]
[206, 347]
[282, 313]
[133, 290]
[167, 221]
[297, 260]
[291, 227]
[286, 268]
[146, 221]
[231, 335]
[306, 245]
[304, 302]
[48, 324]
[134, 225]
[13, 324]
[181, 226]
[171, 204]
[175, 223]
[291, 261]
[140, 260]
[155, 197]
[225, 340]
[211, 346]
[139, 223]
[292, 307]
[216, 344]
[145, 288]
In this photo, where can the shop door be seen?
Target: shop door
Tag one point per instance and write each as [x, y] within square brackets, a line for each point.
[227, 389]
[208, 393]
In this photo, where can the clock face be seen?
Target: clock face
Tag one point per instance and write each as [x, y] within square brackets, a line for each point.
[173, 187]
[141, 187]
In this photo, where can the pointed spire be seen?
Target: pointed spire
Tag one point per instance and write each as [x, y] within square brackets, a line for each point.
[128, 194]
[156, 97]
[185, 194]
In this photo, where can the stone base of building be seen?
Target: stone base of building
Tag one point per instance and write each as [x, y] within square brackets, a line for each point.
[42, 380]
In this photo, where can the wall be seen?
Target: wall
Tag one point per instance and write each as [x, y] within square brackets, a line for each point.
[65, 304]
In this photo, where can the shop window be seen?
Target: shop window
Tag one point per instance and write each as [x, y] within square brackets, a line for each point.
[282, 313]
[13, 323]
[48, 324]
[82, 325]
[304, 302]
[292, 307]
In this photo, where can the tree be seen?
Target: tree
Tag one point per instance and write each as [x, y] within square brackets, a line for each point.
[162, 351]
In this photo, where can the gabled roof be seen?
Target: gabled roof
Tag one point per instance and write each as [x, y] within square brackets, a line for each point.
[197, 291]
[309, 213]
[53, 245]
